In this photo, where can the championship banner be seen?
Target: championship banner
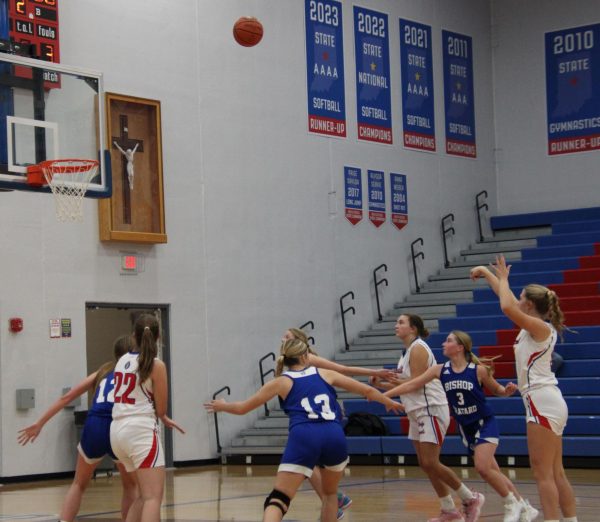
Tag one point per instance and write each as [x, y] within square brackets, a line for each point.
[373, 96]
[399, 200]
[325, 67]
[416, 65]
[459, 102]
[353, 194]
[573, 89]
[376, 197]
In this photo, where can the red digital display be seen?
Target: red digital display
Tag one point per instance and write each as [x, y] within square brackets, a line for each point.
[36, 22]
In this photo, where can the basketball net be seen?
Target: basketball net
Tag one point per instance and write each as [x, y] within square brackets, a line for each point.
[69, 179]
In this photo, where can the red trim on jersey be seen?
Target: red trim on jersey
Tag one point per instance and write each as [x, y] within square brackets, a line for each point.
[438, 431]
[541, 420]
[151, 457]
[533, 356]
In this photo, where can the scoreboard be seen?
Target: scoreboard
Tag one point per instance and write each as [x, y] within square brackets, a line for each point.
[35, 22]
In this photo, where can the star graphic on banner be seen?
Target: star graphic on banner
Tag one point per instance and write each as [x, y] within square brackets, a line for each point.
[373, 66]
[417, 76]
[325, 55]
[458, 86]
[574, 81]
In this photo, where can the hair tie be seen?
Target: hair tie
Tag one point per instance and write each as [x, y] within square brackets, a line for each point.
[146, 328]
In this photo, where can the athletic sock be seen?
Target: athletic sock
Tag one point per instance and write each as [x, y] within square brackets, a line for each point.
[464, 493]
[447, 503]
[509, 499]
[570, 519]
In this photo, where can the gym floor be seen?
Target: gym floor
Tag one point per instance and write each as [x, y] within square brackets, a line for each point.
[212, 493]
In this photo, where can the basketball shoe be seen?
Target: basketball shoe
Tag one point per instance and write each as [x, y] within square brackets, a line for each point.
[344, 501]
[528, 513]
[448, 516]
[472, 508]
[513, 510]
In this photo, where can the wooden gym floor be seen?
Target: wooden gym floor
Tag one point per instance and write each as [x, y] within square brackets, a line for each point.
[379, 493]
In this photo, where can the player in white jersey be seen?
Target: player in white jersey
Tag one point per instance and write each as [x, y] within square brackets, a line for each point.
[537, 312]
[429, 417]
[140, 400]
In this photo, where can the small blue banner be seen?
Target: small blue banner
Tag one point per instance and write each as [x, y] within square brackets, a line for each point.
[416, 64]
[373, 96]
[376, 197]
[325, 67]
[573, 89]
[353, 194]
[459, 101]
[399, 200]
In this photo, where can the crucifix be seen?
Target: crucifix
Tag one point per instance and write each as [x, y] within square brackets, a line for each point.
[127, 147]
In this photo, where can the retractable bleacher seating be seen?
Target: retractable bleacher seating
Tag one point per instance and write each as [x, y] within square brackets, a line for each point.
[559, 249]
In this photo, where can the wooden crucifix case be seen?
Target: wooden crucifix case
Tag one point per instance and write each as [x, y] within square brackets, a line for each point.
[135, 212]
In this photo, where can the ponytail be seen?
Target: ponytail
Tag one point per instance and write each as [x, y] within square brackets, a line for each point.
[546, 304]
[291, 351]
[146, 331]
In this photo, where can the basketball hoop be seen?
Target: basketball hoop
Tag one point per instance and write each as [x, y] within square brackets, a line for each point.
[69, 179]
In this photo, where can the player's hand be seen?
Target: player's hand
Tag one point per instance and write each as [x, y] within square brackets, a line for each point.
[509, 389]
[500, 268]
[28, 434]
[477, 272]
[170, 423]
[215, 406]
[394, 406]
[384, 374]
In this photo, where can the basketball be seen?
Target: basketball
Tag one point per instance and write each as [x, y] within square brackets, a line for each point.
[247, 31]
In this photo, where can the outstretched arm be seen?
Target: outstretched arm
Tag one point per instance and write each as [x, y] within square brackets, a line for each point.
[265, 394]
[416, 383]
[30, 433]
[326, 364]
[370, 393]
[118, 147]
[538, 329]
[493, 385]
[483, 271]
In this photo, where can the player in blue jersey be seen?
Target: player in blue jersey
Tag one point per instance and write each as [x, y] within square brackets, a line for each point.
[95, 438]
[344, 501]
[463, 378]
[315, 436]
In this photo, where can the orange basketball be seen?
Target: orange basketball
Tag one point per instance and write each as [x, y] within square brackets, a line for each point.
[247, 31]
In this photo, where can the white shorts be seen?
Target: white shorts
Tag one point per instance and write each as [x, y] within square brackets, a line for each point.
[136, 443]
[545, 406]
[429, 424]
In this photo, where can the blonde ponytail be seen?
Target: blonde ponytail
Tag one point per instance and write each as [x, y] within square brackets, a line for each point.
[291, 351]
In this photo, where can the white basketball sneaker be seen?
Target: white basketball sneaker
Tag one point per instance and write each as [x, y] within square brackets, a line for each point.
[528, 513]
[513, 510]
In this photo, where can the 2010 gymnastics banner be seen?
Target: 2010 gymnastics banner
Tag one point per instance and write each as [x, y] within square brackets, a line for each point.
[399, 200]
[325, 67]
[373, 96]
[353, 195]
[573, 89]
[418, 115]
[459, 101]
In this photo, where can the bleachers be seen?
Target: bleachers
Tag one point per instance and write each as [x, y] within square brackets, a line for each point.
[568, 261]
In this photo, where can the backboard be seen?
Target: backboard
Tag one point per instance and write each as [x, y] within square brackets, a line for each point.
[50, 111]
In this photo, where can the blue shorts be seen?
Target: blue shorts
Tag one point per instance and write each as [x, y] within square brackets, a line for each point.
[484, 431]
[95, 439]
[315, 443]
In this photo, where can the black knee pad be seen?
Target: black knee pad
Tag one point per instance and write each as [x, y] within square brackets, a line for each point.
[282, 497]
